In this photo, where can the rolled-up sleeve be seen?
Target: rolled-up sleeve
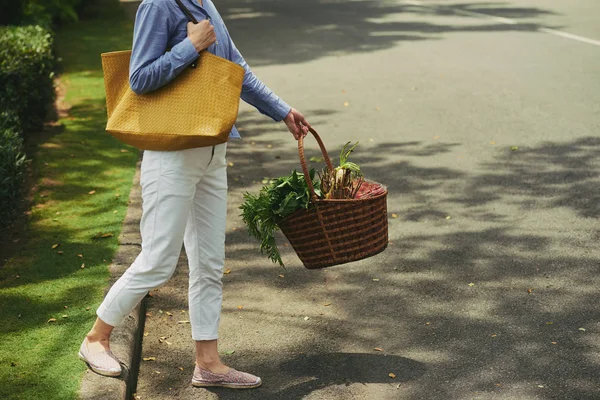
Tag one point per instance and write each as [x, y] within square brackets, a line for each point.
[256, 93]
[151, 66]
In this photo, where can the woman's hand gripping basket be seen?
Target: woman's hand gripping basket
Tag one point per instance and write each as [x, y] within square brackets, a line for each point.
[337, 231]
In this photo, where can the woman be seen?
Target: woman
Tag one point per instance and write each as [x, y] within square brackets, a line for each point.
[184, 193]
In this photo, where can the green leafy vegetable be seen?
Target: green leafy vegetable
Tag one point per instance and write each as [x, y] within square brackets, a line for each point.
[275, 201]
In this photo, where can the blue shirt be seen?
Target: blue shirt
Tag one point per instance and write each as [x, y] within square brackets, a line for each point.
[160, 25]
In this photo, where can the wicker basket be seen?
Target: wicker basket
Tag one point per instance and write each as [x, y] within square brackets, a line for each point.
[333, 232]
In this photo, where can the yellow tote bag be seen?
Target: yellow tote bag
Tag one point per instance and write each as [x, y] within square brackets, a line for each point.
[197, 109]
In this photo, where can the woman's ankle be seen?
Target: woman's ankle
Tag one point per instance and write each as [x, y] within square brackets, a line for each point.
[215, 366]
[93, 337]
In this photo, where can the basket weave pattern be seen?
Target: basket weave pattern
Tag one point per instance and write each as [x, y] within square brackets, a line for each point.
[198, 108]
[333, 232]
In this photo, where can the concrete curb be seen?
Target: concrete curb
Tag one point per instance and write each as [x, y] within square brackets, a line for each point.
[126, 340]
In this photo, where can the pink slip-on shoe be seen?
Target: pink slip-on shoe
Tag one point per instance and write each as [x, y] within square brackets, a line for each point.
[233, 379]
[103, 362]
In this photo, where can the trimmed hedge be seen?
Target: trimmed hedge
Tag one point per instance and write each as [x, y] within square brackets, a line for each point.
[12, 167]
[27, 95]
[27, 66]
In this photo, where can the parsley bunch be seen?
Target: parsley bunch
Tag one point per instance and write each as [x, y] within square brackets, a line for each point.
[275, 201]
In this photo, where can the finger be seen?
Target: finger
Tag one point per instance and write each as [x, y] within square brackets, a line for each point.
[302, 119]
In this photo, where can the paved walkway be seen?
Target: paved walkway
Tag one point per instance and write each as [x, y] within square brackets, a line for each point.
[486, 132]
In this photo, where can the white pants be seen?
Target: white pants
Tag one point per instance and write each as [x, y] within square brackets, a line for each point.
[184, 201]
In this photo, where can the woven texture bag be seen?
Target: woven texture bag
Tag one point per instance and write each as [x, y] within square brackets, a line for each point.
[335, 231]
[198, 108]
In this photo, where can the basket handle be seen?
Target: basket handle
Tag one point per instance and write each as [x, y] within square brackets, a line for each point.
[309, 183]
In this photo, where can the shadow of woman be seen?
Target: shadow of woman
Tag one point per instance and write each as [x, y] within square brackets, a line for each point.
[314, 372]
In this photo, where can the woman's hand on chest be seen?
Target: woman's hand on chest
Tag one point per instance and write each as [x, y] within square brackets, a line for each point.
[202, 34]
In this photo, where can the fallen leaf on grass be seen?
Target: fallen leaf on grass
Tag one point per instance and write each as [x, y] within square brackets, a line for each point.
[514, 148]
[394, 215]
[375, 279]
[92, 192]
[582, 329]
[230, 164]
[65, 316]
[228, 352]
[102, 235]
[282, 276]
[52, 320]
[471, 284]
[392, 375]
[240, 307]
[83, 266]
[554, 342]
[80, 255]
[124, 151]
[169, 314]
[149, 358]
[181, 368]
[530, 290]
[55, 245]
[378, 349]
[227, 271]
[327, 304]
[448, 217]
[183, 322]
[306, 318]
[60, 252]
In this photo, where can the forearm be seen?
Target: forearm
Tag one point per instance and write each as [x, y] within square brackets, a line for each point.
[158, 72]
[151, 65]
[256, 93]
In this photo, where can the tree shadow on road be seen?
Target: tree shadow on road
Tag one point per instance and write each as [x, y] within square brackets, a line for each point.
[298, 31]
[500, 301]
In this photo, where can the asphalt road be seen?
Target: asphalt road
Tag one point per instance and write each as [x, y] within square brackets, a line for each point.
[483, 120]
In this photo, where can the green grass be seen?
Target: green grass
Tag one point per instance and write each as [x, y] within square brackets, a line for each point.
[38, 359]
